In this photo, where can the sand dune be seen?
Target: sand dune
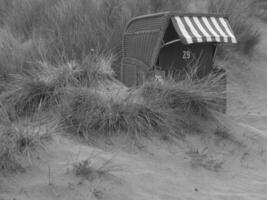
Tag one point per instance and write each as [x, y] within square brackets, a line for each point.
[205, 166]
[211, 165]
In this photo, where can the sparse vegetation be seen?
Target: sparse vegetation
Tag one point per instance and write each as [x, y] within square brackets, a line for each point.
[89, 171]
[19, 143]
[202, 159]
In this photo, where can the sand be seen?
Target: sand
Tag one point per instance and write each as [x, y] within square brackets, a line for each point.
[203, 166]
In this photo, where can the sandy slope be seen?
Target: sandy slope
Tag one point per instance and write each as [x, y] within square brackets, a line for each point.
[202, 166]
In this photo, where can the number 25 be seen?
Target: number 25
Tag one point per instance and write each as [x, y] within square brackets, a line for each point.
[186, 55]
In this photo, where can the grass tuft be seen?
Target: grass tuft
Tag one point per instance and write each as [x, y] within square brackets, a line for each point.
[42, 88]
[88, 170]
[197, 96]
[30, 97]
[167, 108]
[92, 115]
[19, 143]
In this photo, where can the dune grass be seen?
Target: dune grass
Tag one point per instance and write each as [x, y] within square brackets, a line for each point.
[63, 31]
[42, 88]
[60, 31]
[189, 100]
[29, 97]
[19, 143]
[15, 56]
[155, 108]
[188, 95]
[54, 53]
[90, 115]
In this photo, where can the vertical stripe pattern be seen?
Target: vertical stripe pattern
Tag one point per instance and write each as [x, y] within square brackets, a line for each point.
[198, 29]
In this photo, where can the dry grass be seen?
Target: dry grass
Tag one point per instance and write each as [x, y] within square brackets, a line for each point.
[58, 31]
[15, 56]
[41, 89]
[167, 108]
[203, 160]
[197, 96]
[23, 17]
[63, 31]
[19, 143]
[29, 97]
[153, 6]
[187, 101]
[54, 53]
[90, 170]
[90, 115]
[93, 70]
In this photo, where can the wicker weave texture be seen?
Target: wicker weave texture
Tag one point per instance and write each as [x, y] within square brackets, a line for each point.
[147, 24]
[128, 74]
[133, 71]
[141, 46]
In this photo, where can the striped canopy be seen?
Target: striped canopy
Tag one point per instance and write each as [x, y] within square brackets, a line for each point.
[198, 29]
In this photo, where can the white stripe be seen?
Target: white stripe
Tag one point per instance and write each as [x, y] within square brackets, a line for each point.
[218, 27]
[202, 29]
[206, 22]
[193, 30]
[183, 30]
[227, 28]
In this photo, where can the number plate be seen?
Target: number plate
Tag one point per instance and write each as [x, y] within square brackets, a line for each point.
[186, 55]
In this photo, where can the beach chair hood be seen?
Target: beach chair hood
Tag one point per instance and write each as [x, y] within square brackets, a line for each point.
[199, 29]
